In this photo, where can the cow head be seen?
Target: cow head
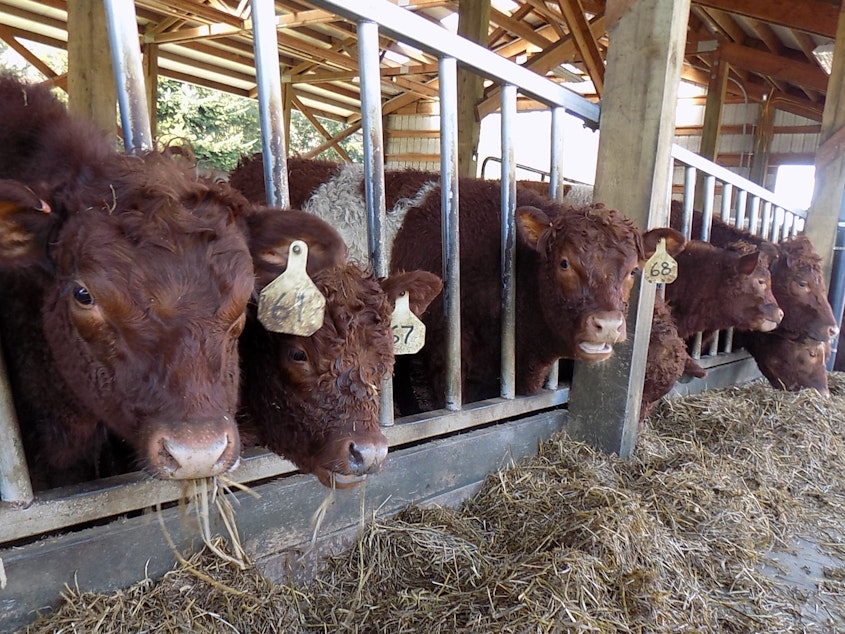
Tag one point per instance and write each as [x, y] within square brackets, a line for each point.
[790, 364]
[143, 284]
[747, 278]
[589, 257]
[800, 290]
[315, 399]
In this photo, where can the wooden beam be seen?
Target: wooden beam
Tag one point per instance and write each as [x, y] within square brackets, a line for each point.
[519, 28]
[9, 37]
[825, 209]
[763, 136]
[813, 16]
[91, 87]
[585, 42]
[319, 127]
[713, 107]
[473, 24]
[637, 127]
[149, 59]
[764, 63]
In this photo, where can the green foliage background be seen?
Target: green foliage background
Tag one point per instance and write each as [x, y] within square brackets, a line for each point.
[221, 127]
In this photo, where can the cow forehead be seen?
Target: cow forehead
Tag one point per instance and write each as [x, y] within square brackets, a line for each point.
[207, 267]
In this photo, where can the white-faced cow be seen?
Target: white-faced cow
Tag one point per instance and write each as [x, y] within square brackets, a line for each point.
[574, 268]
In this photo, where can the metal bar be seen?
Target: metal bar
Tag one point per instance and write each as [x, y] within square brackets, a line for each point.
[15, 485]
[741, 203]
[434, 39]
[508, 387]
[450, 227]
[129, 74]
[689, 200]
[371, 119]
[707, 212]
[766, 222]
[727, 176]
[754, 214]
[556, 192]
[270, 109]
[727, 194]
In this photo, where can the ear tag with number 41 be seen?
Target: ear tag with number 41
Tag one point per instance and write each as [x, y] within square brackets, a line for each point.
[292, 303]
[661, 267]
[408, 330]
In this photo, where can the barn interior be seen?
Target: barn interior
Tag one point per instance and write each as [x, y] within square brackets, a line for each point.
[756, 86]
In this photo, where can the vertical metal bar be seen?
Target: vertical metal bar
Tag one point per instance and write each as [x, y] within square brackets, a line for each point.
[689, 199]
[696, 346]
[449, 208]
[707, 211]
[556, 192]
[270, 108]
[741, 199]
[371, 119]
[713, 349]
[129, 74]
[15, 485]
[765, 224]
[727, 194]
[754, 211]
[508, 243]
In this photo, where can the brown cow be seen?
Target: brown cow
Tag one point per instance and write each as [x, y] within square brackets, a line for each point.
[800, 290]
[574, 265]
[315, 399]
[124, 290]
[789, 364]
[722, 288]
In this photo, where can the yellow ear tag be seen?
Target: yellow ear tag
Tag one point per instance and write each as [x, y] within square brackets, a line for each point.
[661, 267]
[292, 304]
[408, 330]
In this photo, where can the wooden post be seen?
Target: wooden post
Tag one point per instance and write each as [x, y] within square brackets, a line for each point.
[473, 24]
[827, 204]
[762, 144]
[637, 129]
[149, 51]
[709, 146]
[91, 90]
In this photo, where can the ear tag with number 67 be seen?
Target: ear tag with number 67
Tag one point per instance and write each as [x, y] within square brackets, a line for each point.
[292, 303]
[661, 267]
[408, 330]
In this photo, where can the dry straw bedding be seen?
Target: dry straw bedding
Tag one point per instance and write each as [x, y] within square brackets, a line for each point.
[568, 541]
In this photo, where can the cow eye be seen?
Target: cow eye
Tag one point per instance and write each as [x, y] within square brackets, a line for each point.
[635, 272]
[803, 283]
[564, 264]
[81, 295]
[297, 355]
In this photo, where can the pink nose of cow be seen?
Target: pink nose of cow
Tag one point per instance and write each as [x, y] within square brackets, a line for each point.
[606, 326]
[188, 456]
[366, 457]
[834, 331]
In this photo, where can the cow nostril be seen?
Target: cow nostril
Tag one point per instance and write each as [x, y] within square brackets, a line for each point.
[366, 458]
[179, 460]
[833, 331]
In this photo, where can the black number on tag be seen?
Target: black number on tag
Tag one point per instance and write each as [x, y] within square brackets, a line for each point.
[662, 269]
[397, 337]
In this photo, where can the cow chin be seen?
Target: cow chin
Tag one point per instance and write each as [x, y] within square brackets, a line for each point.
[335, 480]
[767, 325]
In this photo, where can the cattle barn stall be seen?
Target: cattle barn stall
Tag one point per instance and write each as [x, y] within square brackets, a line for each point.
[72, 535]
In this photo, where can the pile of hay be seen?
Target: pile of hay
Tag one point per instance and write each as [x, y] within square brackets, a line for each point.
[569, 541]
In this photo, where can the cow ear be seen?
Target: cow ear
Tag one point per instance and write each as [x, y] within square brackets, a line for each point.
[532, 223]
[26, 223]
[747, 263]
[675, 241]
[272, 230]
[422, 288]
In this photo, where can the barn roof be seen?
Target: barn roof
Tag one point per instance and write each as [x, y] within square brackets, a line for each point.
[771, 48]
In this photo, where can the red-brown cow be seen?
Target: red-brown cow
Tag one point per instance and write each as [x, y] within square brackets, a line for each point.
[124, 290]
[800, 290]
[789, 364]
[315, 399]
[574, 265]
[722, 288]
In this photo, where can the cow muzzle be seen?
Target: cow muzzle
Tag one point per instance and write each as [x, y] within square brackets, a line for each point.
[601, 330]
[351, 460]
[199, 451]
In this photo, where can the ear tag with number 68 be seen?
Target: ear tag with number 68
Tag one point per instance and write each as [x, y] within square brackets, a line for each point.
[292, 303]
[661, 267]
[408, 330]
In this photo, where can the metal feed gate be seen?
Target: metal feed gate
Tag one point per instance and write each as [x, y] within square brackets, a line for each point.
[36, 574]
